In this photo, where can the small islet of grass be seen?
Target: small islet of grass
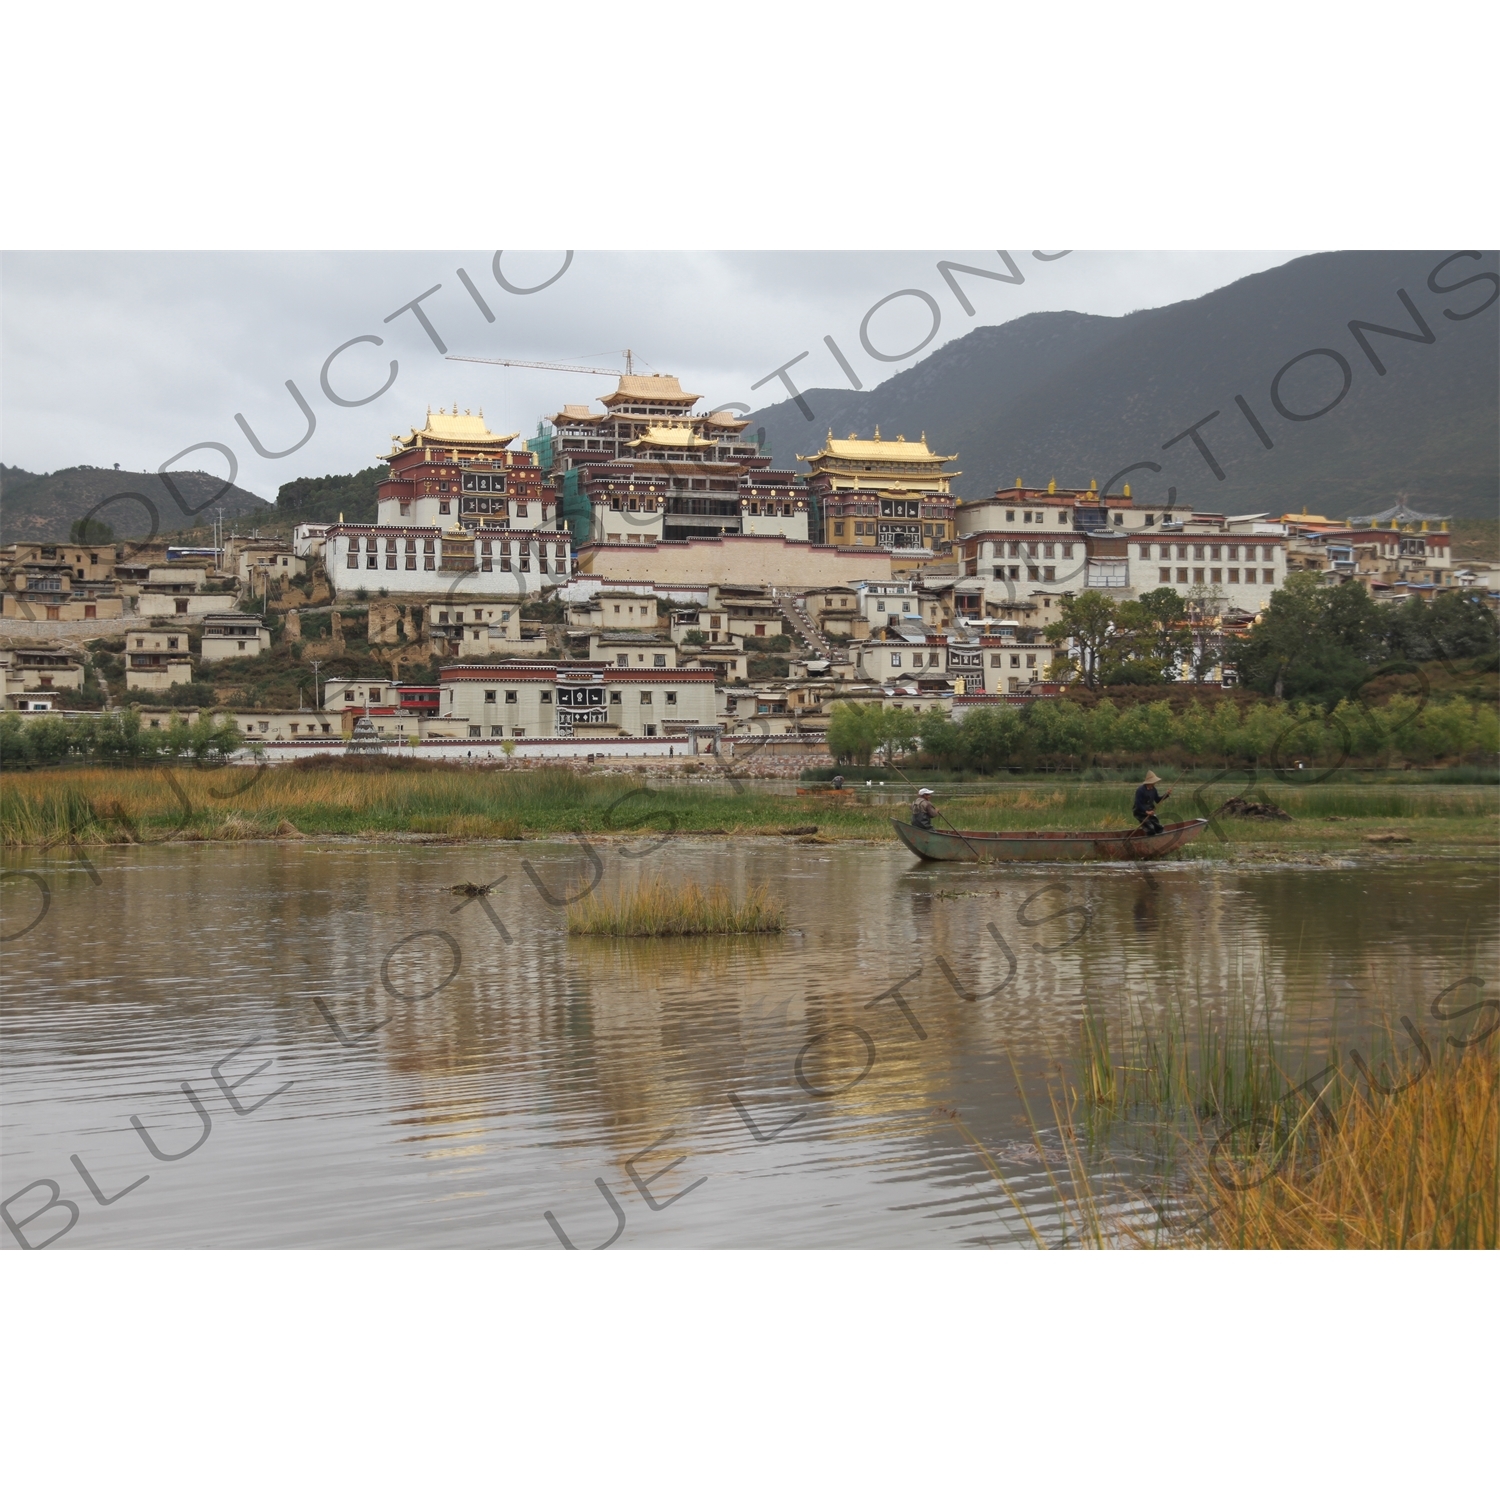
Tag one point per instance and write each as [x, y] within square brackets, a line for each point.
[662, 910]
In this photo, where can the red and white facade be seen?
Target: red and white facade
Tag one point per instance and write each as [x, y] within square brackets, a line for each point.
[461, 513]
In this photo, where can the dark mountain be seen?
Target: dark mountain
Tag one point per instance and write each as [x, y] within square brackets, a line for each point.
[1081, 397]
[42, 507]
[351, 495]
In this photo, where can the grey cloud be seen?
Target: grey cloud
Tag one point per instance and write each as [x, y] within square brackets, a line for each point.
[130, 357]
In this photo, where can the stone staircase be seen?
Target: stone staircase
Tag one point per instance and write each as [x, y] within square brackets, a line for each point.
[794, 611]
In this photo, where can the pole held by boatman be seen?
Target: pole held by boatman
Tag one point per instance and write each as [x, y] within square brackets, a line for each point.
[1146, 801]
[922, 810]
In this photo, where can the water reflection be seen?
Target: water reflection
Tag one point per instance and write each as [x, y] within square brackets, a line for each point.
[829, 1086]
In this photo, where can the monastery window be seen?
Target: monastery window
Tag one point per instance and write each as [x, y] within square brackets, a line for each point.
[1047, 550]
[1216, 575]
[1164, 575]
[1010, 515]
[1182, 573]
[895, 658]
[1145, 549]
[614, 697]
[645, 697]
[546, 696]
[1234, 553]
[510, 697]
[1267, 576]
[1119, 519]
[1049, 575]
[1213, 553]
[1267, 554]
[489, 695]
[1197, 575]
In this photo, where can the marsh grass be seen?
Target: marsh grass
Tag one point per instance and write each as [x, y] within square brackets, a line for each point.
[662, 910]
[1262, 1144]
[1411, 1170]
[116, 804]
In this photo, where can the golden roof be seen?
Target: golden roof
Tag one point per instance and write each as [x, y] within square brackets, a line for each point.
[662, 388]
[449, 427]
[727, 419]
[881, 450]
[670, 437]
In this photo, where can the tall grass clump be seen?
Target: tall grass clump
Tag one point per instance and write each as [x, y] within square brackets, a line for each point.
[1169, 1063]
[660, 910]
[1414, 1169]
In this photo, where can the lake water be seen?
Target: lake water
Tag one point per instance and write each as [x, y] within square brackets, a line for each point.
[438, 1074]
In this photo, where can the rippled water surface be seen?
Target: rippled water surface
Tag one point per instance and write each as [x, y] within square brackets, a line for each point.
[746, 1092]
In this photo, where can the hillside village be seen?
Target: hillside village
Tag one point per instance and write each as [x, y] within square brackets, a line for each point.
[641, 581]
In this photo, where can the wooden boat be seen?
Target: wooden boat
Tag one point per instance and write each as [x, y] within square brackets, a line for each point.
[983, 848]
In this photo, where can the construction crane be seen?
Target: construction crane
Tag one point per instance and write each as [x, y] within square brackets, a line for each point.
[542, 364]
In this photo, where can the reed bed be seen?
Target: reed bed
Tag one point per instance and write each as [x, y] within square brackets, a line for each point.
[119, 804]
[1263, 1144]
[1416, 1170]
[662, 910]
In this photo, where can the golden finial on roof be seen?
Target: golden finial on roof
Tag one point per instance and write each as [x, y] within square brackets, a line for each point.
[877, 432]
[1018, 482]
[1052, 486]
[1127, 492]
[1093, 485]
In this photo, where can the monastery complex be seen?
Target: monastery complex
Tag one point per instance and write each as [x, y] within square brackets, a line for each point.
[703, 592]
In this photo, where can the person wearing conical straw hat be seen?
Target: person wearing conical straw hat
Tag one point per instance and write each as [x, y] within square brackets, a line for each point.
[1146, 800]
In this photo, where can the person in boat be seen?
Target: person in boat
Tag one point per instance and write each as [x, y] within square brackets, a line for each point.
[1146, 800]
[923, 810]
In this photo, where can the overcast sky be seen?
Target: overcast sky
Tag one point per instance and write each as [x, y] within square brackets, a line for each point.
[130, 357]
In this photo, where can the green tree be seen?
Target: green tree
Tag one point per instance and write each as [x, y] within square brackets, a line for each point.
[1310, 641]
[1059, 731]
[1103, 721]
[988, 738]
[1151, 638]
[1454, 626]
[1194, 730]
[90, 531]
[1088, 621]
[940, 738]
[854, 731]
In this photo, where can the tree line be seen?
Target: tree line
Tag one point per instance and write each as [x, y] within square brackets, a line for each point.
[48, 739]
[1055, 734]
[1312, 641]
